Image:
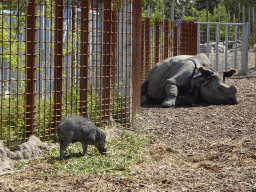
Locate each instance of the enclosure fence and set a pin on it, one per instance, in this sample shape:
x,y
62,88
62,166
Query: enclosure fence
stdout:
x,y
226,45
61,58
161,39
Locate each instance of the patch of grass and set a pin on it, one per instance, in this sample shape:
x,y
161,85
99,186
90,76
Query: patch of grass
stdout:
x,y
124,151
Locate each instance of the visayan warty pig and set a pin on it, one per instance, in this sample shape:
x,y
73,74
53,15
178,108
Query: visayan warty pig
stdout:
x,y
75,128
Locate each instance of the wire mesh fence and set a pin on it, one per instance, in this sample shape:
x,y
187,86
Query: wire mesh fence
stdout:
x,y
226,45
165,38
59,58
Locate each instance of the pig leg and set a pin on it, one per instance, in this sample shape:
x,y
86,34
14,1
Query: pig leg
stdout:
x,y
171,91
85,145
63,145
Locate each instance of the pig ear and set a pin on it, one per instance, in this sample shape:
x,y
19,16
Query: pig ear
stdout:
x,y
205,72
229,73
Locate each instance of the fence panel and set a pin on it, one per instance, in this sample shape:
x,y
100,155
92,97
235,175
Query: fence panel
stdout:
x,y
61,59
220,42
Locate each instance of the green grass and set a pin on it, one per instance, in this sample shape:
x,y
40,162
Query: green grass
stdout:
x,y
124,151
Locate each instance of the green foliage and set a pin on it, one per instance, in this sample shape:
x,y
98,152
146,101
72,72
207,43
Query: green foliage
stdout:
x,y
124,151
12,48
189,18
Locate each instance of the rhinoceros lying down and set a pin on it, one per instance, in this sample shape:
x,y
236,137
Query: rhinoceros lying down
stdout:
x,y
186,80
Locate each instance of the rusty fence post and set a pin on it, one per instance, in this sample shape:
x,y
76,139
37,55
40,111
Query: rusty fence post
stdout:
x,y
183,38
58,62
84,50
147,45
190,33
113,46
175,38
106,60
136,55
194,37
142,68
31,69
157,34
166,38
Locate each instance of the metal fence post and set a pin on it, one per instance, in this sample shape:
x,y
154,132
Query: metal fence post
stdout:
x,y
194,38
142,69
166,38
106,60
147,45
198,38
31,69
136,55
226,49
58,61
157,29
217,47
244,54
113,45
84,49
175,38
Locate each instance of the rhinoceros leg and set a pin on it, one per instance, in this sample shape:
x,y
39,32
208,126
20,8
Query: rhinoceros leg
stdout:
x,y
171,94
144,92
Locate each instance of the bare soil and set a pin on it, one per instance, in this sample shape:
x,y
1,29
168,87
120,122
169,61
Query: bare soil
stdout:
x,y
199,148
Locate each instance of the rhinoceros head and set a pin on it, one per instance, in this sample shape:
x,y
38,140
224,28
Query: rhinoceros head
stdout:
x,y
212,87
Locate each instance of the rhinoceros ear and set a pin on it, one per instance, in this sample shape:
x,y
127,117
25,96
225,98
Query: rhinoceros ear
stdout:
x,y
201,60
205,72
229,73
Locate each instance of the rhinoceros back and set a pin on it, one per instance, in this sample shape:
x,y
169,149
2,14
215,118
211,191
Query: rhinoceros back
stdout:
x,y
161,72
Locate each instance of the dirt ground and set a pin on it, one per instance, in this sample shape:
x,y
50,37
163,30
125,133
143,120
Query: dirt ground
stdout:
x,y
199,148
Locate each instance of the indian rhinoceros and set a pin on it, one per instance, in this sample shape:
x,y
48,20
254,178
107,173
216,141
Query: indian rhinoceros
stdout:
x,y
185,80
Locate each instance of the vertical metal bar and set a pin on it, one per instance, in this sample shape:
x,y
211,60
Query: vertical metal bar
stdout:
x,y
208,38
175,39
147,45
106,60
84,50
136,55
244,54
183,38
58,61
190,34
157,32
235,50
166,38
31,69
226,49
198,38
172,11
113,45
217,47
142,69
195,46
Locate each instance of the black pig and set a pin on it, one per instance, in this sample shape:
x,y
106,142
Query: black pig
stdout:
x,y
76,128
